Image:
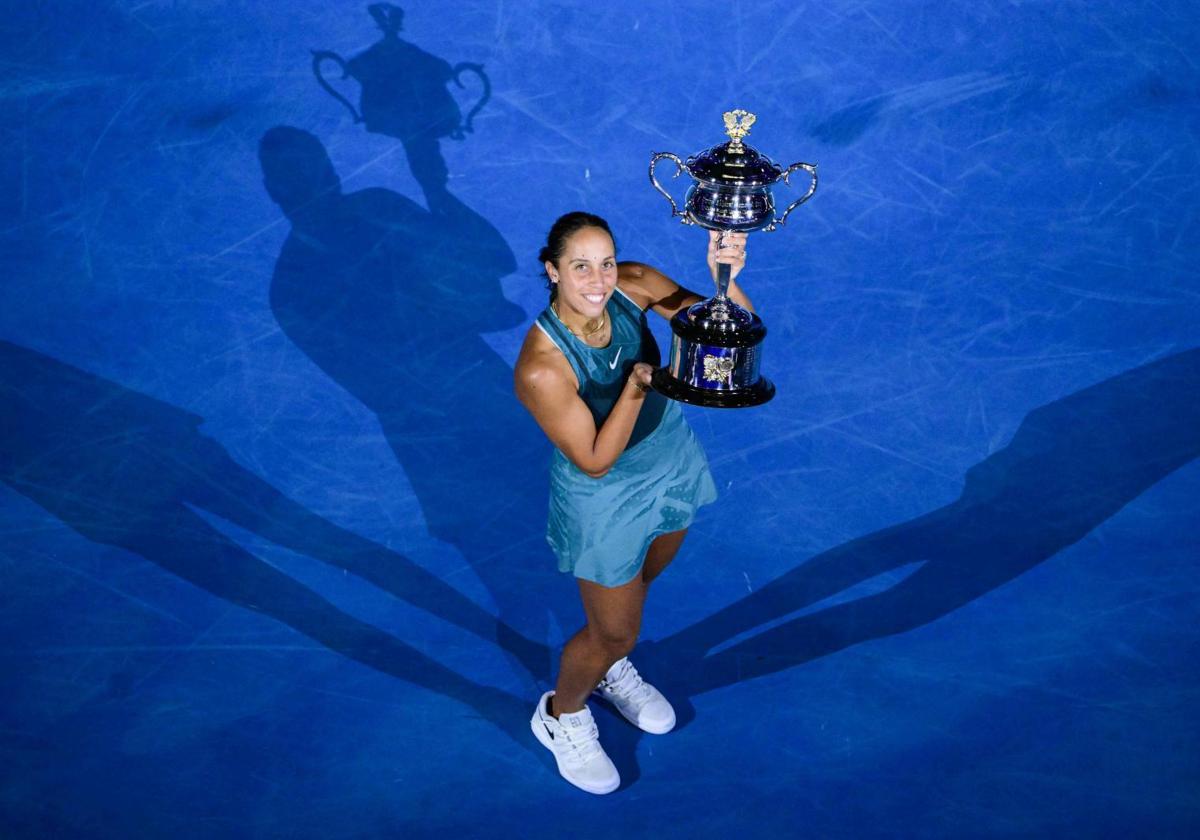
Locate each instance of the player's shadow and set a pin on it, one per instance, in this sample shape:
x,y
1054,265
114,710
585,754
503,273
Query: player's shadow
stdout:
x,y
1071,465
127,470
392,302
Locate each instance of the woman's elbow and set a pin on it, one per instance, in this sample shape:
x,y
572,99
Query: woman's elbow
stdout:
x,y
589,462
598,473
592,467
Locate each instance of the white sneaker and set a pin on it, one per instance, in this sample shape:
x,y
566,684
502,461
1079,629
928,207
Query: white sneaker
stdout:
x,y
639,702
575,742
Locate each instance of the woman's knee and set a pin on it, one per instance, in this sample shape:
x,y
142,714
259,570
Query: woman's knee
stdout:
x,y
616,642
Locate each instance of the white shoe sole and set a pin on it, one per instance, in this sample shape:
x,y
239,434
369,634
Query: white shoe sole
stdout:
x,y
539,732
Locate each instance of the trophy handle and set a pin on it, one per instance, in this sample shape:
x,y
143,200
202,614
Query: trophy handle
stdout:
x,y
477,69
811,169
326,55
679,167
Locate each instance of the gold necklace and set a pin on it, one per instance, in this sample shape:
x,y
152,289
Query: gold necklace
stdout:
x,y
587,333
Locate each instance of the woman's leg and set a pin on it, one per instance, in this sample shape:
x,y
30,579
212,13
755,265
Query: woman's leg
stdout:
x,y
614,619
661,552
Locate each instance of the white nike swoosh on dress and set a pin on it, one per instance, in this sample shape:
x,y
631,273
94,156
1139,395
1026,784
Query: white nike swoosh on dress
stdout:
x,y
613,364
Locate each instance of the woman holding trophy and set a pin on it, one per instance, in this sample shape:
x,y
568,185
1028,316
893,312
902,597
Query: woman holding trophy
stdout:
x,y
627,477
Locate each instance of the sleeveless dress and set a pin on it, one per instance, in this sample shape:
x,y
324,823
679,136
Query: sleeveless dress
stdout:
x,y
600,528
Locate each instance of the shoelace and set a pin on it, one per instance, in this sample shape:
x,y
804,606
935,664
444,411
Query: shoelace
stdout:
x,y
584,742
628,684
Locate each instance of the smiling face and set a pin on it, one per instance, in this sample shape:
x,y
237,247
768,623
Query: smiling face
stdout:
x,y
586,273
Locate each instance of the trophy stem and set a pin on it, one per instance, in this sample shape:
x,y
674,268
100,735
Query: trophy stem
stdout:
x,y
723,275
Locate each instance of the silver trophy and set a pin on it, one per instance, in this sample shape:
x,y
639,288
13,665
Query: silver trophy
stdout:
x,y
715,352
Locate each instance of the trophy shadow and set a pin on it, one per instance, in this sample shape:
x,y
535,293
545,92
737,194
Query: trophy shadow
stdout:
x,y
391,301
124,469
404,93
1071,465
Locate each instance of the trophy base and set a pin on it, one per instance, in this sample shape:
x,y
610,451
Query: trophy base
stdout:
x,y
760,392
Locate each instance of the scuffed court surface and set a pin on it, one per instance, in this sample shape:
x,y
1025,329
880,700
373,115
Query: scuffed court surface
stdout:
x,y
272,560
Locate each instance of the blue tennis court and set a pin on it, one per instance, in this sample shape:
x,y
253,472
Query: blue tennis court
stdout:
x,y
272,521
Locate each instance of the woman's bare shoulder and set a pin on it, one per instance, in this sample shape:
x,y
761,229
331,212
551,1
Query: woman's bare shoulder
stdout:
x,y
540,364
651,289
644,284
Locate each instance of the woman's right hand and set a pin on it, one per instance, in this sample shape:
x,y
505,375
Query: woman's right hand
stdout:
x,y
727,247
639,378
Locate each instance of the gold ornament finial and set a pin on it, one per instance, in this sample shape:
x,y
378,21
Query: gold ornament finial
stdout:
x,y
737,126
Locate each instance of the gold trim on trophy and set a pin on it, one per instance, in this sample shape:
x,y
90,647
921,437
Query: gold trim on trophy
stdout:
x,y
717,369
737,126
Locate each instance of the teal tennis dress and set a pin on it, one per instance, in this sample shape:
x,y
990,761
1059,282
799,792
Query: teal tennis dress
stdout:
x,y
600,528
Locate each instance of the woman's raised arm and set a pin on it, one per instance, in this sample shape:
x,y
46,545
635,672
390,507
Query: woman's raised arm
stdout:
x,y
651,289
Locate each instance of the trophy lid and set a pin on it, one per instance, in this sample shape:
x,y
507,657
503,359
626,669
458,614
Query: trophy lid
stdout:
x,y
733,161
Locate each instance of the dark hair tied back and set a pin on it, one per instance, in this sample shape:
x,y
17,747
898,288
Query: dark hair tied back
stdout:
x,y
564,228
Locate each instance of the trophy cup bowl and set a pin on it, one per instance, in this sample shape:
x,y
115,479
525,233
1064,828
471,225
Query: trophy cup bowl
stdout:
x,y
716,344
